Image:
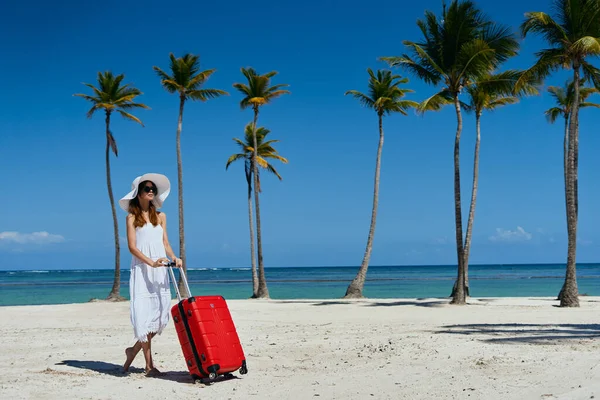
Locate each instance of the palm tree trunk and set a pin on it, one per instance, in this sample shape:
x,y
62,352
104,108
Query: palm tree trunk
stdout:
x,y
459,293
469,233
252,250
116,288
566,170
180,284
263,291
570,295
355,288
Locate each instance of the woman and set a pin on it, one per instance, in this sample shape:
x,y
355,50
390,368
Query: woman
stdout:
x,y
149,290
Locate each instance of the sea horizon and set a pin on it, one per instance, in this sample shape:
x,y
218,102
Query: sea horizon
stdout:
x,y
38,286
74,269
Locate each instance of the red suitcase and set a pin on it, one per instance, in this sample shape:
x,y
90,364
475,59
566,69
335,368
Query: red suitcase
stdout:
x,y
209,341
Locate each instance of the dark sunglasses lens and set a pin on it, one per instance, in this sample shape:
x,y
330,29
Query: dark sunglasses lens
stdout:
x,y
147,189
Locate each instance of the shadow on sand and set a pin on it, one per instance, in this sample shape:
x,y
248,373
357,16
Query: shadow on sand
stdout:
x,y
525,333
101,367
117,370
440,302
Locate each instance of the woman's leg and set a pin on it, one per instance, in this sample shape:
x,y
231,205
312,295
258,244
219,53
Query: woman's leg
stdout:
x,y
147,349
132,352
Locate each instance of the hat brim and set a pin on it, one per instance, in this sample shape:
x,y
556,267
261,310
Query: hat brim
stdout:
x,y
162,185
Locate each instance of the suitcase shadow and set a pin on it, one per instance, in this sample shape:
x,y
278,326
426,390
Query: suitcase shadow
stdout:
x,y
184,377
111,369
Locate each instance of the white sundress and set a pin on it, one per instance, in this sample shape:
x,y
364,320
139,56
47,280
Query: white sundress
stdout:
x,y
149,288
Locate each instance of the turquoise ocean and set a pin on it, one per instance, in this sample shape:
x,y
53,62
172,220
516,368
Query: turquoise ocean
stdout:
x,y
77,286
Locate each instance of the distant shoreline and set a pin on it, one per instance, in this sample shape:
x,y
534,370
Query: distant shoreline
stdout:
x,y
37,270
515,280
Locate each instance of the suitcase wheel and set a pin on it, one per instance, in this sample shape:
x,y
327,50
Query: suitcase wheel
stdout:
x,y
212,376
244,368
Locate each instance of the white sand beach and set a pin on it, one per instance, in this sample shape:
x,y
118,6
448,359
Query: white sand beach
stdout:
x,y
509,348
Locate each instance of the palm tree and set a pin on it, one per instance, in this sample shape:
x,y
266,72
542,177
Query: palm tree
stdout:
x,y
564,101
186,80
490,93
111,96
457,49
573,36
257,93
265,152
384,96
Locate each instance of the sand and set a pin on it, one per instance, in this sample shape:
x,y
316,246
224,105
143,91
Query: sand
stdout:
x,y
498,348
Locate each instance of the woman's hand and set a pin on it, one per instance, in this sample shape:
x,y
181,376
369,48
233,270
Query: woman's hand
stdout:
x,y
161,262
178,262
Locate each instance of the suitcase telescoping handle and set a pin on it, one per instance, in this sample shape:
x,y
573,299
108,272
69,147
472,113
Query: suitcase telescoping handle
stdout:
x,y
185,282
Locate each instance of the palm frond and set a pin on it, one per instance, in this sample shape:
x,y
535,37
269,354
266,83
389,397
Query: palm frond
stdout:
x,y
88,98
501,102
201,78
549,60
559,94
112,95
587,45
436,102
275,157
456,48
275,94
129,106
112,143
95,89
265,150
187,79
133,118
588,104
261,162
206,94
420,71
553,113
233,158
475,59
384,93
258,92
540,22
365,100
92,110
591,74
272,170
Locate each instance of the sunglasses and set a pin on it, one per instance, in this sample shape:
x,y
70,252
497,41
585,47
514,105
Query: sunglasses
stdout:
x,y
148,189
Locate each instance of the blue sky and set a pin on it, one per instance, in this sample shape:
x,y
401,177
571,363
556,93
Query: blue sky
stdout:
x,y
53,156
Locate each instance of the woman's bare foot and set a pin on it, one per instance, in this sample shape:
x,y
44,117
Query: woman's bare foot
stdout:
x,y
130,353
152,372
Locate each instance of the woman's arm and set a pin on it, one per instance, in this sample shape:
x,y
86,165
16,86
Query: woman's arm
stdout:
x,y
132,245
168,249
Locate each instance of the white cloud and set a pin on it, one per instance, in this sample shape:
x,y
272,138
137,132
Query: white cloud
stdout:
x,y
441,240
506,235
30,238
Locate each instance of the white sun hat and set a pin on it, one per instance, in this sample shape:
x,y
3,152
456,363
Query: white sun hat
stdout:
x,y
162,185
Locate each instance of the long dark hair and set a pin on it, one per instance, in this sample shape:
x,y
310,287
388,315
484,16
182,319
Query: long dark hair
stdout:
x,y
136,209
